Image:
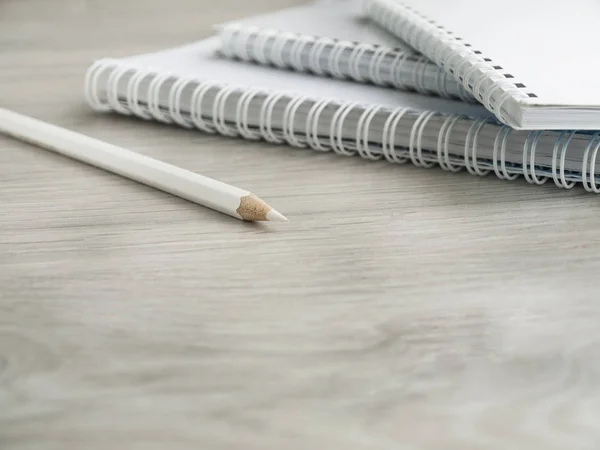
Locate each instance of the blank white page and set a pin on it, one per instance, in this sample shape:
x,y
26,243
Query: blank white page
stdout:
x,y
550,46
337,19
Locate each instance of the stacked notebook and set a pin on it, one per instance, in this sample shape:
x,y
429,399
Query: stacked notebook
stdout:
x,y
381,79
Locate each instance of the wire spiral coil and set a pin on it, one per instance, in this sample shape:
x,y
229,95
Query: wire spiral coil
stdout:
x,y
360,62
477,74
111,85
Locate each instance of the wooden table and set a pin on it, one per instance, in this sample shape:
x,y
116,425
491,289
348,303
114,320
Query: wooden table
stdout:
x,y
401,308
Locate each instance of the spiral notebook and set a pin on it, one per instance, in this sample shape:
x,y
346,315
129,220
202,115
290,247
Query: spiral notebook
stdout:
x,y
531,63
195,87
334,38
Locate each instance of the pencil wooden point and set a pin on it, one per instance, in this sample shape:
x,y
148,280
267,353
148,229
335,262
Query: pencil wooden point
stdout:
x,y
254,209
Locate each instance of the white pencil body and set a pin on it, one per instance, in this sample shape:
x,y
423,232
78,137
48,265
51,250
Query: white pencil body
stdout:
x,y
182,183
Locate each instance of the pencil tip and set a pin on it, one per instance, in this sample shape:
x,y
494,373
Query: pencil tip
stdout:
x,y
254,209
274,216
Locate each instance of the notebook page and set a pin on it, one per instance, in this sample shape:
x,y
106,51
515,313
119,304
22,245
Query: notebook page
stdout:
x,y
548,46
338,19
200,60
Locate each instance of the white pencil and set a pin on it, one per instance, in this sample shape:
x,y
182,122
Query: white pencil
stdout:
x,y
205,191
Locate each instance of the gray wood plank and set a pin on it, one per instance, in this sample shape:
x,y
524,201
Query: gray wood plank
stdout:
x,y
401,308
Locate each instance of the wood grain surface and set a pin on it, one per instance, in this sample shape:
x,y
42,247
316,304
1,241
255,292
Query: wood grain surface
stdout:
x,y
401,308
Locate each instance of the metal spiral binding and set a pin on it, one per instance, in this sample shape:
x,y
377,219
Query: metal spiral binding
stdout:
x,y
112,86
266,46
477,74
